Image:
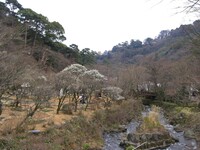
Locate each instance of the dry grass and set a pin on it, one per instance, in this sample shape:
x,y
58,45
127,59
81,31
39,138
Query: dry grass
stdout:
x,y
151,122
10,117
112,118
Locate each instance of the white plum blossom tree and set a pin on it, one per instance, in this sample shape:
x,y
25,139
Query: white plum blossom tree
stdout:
x,y
75,80
114,93
68,83
74,69
92,80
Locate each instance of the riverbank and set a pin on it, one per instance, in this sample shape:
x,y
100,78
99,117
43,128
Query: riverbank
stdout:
x,y
186,119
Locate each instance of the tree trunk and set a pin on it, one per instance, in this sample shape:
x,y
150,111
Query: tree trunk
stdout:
x,y
1,105
88,101
60,103
59,106
34,40
30,114
76,105
87,104
17,102
25,38
75,98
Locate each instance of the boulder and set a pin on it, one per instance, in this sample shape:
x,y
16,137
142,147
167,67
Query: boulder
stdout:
x,y
148,140
189,133
143,137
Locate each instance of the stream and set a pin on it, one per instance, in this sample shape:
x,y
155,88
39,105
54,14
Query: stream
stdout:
x,y
112,140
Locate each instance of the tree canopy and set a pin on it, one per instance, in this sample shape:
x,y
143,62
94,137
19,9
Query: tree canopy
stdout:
x,y
49,31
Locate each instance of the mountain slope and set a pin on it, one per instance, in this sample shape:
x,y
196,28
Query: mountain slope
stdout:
x,y
170,45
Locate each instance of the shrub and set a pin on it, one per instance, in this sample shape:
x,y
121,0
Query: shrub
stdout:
x,y
151,122
86,146
68,109
111,118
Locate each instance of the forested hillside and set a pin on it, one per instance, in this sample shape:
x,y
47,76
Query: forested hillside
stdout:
x,y
24,31
171,45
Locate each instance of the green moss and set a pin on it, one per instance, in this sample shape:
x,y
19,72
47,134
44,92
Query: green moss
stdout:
x,y
86,146
130,148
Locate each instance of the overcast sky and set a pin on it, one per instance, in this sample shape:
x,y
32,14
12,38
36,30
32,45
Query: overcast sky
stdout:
x,y
101,24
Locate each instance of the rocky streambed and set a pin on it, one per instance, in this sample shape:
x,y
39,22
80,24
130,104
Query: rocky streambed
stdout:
x,y
168,140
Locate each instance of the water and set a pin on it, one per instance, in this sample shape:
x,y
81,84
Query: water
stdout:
x,y
112,140
184,143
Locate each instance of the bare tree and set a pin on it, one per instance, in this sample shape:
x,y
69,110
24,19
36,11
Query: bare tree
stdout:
x,y
130,78
188,6
20,91
41,93
191,6
21,88
11,67
153,70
